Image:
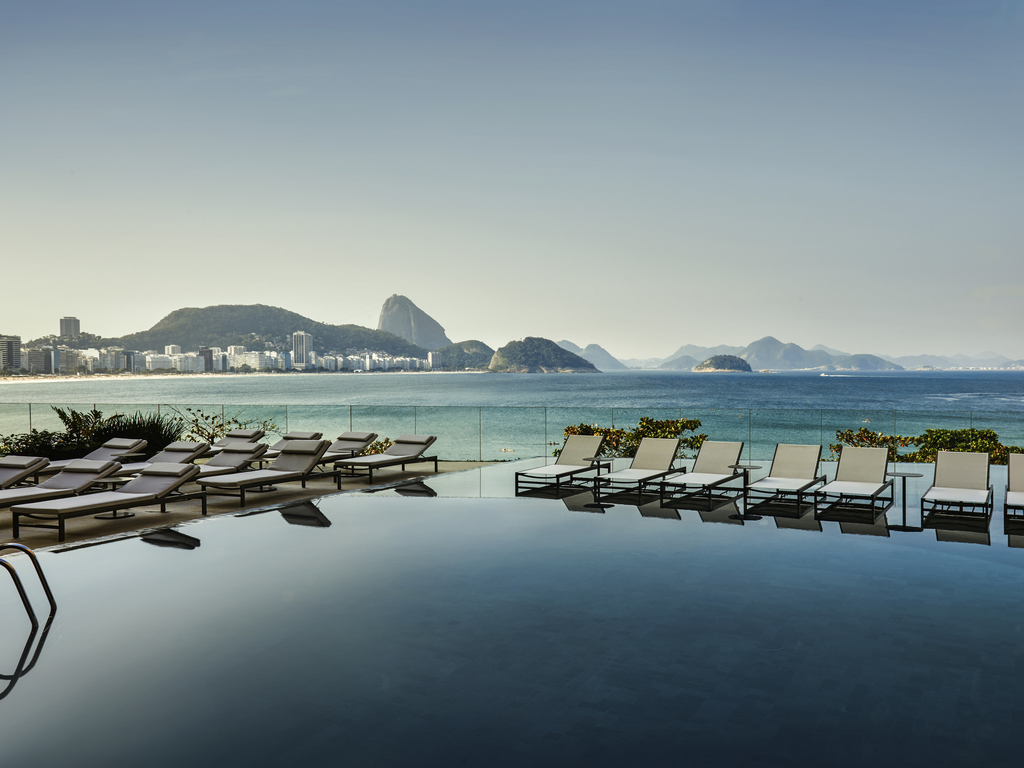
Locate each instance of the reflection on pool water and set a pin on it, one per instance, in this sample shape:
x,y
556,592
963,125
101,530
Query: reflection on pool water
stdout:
x,y
417,630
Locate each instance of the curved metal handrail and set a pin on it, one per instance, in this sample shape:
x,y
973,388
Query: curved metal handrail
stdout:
x,y
39,570
21,592
20,670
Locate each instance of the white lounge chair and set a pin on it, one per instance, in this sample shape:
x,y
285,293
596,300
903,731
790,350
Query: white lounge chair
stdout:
x,y
407,449
793,473
237,436
577,456
860,487
156,484
115,449
275,450
707,484
653,460
77,477
14,469
961,487
179,452
297,461
233,457
1013,501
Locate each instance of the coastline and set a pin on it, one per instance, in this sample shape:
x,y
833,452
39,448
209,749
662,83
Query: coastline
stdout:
x,y
45,379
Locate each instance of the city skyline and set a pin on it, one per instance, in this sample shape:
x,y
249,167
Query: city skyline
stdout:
x,y
636,176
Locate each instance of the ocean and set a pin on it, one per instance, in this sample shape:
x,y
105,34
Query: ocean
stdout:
x,y
505,416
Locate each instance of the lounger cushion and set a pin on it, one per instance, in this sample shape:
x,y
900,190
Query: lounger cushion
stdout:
x,y
302,446
849,488
21,462
167,470
122,442
246,448
780,484
552,470
11,496
87,465
700,478
357,436
250,479
92,502
632,475
956,496
1015,499
419,439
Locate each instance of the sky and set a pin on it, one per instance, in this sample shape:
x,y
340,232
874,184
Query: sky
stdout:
x,y
640,175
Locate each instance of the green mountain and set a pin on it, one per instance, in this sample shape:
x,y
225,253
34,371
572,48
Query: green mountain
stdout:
x,y
681,363
724,363
255,326
535,355
771,353
462,355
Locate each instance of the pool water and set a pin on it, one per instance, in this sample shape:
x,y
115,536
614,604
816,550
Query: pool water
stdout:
x,y
377,629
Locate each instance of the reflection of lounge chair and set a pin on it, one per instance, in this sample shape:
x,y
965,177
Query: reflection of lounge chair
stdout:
x,y
728,513
14,469
1013,502
575,458
961,489
168,537
180,452
304,513
115,449
237,436
806,522
705,485
877,528
156,484
77,477
275,450
297,461
407,449
653,460
232,458
858,492
793,473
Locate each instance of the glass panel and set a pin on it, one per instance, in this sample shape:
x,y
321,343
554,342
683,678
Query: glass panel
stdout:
x,y
457,429
769,427
1009,426
726,425
14,418
330,420
841,420
513,433
271,418
560,418
388,421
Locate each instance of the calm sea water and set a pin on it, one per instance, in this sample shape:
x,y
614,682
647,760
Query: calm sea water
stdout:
x,y
491,416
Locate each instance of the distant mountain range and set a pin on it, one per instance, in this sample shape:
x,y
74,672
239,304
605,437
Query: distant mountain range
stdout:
x,y
599,357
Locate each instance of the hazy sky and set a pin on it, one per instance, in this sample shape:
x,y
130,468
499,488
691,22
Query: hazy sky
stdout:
x,y
639,175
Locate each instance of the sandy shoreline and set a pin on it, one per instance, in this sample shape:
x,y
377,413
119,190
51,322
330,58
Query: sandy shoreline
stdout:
x,y
189,376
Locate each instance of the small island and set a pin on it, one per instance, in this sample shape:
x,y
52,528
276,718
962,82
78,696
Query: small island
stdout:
x,y
723,364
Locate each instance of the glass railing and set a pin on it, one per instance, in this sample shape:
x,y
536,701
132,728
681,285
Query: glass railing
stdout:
x,y
474,433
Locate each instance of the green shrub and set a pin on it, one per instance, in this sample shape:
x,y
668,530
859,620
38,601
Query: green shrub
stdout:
x,y
929,444
623,443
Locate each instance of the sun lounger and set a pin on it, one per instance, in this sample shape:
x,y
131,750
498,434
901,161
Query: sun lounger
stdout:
x,y
77,477
297,461
115,449
961,487
653,460
348,445
180,452
14,469
859,490
1013,502
707,484
407,449
232,458
156,484
236,436
576,457
794,471
275,450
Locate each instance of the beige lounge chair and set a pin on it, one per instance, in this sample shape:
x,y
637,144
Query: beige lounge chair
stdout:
x,y
1013,502
653,460
348,445
576,457
794,471
407,449
180,452
859,487
77,477
232,458
115,449
297,461
237,436
706,484
275,450
961,487
14,469
156,484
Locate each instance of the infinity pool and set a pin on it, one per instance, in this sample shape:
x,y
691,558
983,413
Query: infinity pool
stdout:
x,y
388,630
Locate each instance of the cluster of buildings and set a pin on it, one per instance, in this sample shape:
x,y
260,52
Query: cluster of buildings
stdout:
x,y
61,359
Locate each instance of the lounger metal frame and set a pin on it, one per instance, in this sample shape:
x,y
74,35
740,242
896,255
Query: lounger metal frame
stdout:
x,y
783,497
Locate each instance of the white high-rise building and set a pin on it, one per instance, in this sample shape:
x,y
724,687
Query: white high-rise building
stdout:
x,y
172,349
302,345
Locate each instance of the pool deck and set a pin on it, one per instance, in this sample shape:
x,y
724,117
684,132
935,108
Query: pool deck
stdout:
x,y
85,530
